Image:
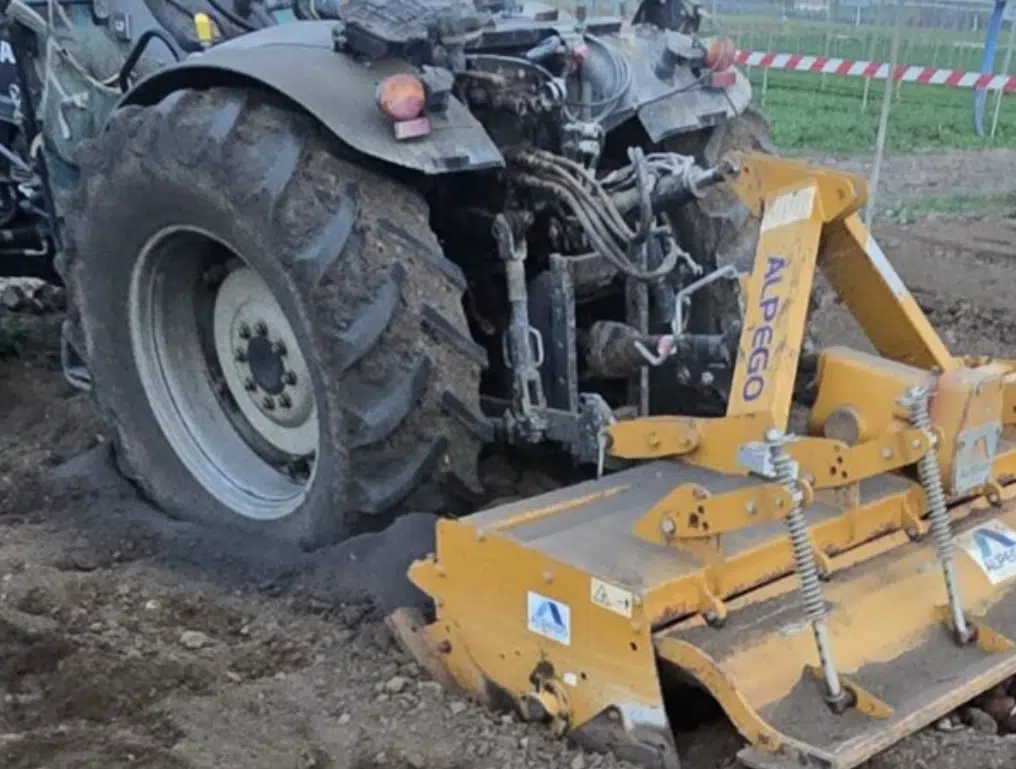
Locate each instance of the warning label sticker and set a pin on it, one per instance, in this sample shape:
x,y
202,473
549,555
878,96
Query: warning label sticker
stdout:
x,y
610,597
789,208
993,547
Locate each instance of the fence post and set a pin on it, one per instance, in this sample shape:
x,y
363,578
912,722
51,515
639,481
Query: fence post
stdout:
x,y
872,49
883,119
1005,71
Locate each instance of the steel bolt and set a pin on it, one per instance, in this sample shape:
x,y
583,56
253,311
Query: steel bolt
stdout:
x,y
667,526
240,356
279,348
268,403
250,385
285,401
261,328
289,378
244,331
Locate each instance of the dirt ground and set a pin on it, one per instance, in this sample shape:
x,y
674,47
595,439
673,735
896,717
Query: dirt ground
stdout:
x,y
128,640
935,174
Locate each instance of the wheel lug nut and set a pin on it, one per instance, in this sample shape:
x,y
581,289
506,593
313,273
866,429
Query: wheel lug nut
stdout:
x,y
279,348
244,331
285,401
260,328
250,385
268,403
289,378
240,356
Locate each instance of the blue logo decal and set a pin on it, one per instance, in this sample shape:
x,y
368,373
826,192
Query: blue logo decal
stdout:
x,y
997,550
549,618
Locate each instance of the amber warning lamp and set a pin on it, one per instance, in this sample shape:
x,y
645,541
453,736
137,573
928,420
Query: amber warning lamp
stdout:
x,y
720,58
403,99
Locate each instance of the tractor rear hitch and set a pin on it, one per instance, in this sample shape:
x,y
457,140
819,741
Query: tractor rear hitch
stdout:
x,y
614,350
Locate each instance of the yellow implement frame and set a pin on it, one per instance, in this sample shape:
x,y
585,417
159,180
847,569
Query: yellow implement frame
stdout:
x,y
580,606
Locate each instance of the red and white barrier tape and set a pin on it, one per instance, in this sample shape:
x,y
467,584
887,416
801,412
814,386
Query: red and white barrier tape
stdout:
x,y
876,70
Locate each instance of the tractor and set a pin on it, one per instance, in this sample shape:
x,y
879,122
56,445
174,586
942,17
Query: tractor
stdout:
x,y
318,256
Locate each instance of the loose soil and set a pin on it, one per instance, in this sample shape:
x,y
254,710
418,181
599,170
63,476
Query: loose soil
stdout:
x,y
129,640
909,176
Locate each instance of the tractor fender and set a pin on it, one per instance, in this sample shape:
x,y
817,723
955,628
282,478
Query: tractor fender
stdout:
x,y
298,61
679,102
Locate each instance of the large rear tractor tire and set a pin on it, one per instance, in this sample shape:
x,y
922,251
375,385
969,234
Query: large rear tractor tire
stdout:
x,y
275,338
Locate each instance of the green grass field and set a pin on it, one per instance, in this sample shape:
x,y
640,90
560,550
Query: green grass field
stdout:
x,y
809,112
806,116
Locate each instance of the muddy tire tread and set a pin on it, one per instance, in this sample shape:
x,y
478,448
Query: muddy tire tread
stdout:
x,y
357,250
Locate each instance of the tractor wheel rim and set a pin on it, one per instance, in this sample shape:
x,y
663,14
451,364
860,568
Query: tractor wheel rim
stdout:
x,y
262,364
223,372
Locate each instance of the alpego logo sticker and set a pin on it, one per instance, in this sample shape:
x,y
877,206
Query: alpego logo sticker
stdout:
x,y
993,548
764,334
549,618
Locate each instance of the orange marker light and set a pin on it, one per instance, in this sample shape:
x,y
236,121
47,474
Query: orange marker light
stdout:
x,y
721,54
401,97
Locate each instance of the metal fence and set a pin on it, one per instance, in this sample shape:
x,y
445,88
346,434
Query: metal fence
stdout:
x,y
944,38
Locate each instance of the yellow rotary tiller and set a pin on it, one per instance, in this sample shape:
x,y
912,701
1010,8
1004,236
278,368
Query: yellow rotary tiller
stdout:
x,y
834,591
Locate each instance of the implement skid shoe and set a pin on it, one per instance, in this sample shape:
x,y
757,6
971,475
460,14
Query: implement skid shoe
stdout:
x,y
594,607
